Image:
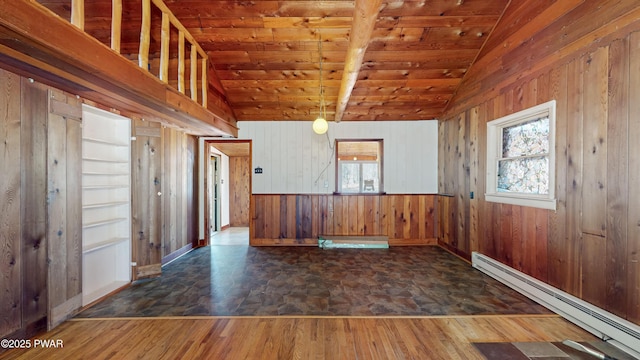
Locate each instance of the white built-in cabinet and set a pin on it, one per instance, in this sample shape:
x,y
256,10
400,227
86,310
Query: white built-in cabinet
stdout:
x,y
106,202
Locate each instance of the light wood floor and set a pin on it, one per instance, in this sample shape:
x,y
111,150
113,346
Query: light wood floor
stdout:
x,y
295,337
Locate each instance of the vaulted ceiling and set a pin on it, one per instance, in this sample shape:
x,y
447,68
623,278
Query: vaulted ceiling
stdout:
x,y
266,55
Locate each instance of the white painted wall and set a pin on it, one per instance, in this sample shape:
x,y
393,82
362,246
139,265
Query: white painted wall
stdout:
x,y
295,160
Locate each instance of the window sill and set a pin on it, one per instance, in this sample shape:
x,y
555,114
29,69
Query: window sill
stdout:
x,y
549,204
360,193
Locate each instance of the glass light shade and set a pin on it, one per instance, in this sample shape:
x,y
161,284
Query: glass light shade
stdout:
x,y
320,126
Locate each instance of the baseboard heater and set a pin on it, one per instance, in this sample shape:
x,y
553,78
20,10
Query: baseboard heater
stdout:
x,y
618,331
353,242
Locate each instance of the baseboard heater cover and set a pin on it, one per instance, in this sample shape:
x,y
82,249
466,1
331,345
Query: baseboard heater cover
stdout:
x,y
353,242
603,324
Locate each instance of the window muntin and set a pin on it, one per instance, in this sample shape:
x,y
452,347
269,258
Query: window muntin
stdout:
x,y
359,166
524,165
521,158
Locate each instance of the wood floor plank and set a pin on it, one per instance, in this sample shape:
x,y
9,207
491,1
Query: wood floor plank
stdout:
x,y
285,337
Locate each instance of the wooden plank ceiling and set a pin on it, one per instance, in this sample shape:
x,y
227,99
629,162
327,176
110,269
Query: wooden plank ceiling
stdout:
x,y
265,55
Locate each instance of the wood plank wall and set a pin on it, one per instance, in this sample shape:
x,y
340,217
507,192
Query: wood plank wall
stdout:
x,y
239,190
589,246
41,217
64,206
146,204
295,219
164,199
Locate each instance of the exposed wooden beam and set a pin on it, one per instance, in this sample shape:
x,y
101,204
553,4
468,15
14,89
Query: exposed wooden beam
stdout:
x,y
365,15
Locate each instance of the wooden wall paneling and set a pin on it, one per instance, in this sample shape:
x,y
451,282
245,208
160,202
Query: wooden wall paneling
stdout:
x,y
291,217
338,223
169,244
442,126
273,208
557,269
316,216
239,181
192,189
385,215
423,221
617,177
594,195
351,213
258,218
282,201
407,216
535,220
65,213
11,306
33,141
430,217
360,215
594,276
303,216
176,190
180,203
376,227
505,238
398,219
540,270
519,238
475,175
56,201
412,212
146,205
463,183
487,246
74,202
321,214
481,141
633,240
575,125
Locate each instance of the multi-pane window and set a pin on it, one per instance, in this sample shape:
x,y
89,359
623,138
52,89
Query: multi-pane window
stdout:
x,y
520,157
359,166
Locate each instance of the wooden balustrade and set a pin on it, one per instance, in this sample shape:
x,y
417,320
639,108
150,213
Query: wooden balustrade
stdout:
x,y
197,56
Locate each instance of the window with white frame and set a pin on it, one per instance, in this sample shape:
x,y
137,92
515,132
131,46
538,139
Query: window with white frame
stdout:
x,y
521,158
359,166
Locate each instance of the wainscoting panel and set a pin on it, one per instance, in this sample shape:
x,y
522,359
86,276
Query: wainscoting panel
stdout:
x,y
298,219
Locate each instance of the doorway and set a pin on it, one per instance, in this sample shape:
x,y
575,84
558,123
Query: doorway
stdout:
x,y
214,191
228,178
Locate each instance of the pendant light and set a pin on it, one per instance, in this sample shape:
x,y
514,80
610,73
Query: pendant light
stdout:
x,y
320,125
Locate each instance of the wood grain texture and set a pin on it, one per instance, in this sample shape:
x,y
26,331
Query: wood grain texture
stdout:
x,y
64,207
67,58
594,181
587,247
34,215
617,176
239,182
301,218
633,240
297,337
11,305
146,225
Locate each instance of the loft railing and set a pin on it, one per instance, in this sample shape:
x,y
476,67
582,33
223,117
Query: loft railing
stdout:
x,y
197,54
